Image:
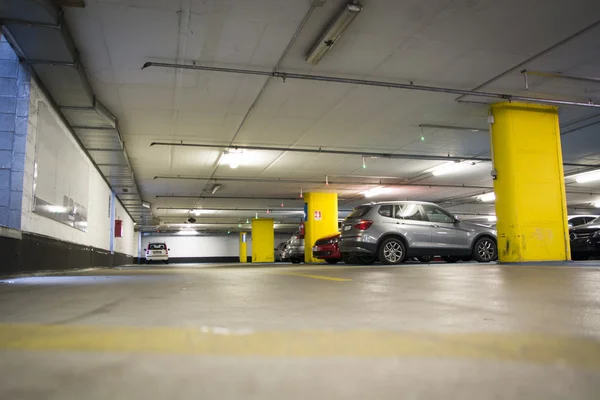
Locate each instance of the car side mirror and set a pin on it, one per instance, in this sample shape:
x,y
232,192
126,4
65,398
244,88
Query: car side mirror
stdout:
x,y
456,219
168,249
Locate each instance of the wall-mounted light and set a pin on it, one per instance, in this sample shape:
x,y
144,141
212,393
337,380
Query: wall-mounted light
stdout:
x,y
487,197
450,167
588,176
333,32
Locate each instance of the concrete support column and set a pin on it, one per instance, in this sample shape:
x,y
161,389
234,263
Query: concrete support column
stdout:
x,y
263,240
531,204
243,247
14,115
321,221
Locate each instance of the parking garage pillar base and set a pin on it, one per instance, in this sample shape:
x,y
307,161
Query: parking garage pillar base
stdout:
x,y
243,247
531,204
263,240
321,221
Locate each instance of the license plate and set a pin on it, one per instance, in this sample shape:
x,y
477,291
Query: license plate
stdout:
x,y
157,252
347,227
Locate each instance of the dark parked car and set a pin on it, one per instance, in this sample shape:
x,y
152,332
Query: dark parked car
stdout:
x,y
393,231
327,249
585,240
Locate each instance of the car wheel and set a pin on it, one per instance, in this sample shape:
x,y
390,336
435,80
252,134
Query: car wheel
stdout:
x,y
425,259
365,260
579,257
331,261
166,261
392,251
295,260
485,250
450,259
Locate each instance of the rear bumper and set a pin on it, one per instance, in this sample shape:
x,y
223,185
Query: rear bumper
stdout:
x,y
157,258
585,246
354,246
296,252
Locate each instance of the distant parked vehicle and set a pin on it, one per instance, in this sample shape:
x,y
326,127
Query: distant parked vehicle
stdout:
x,y
295,251
393,231
576,220
280,252
585,240
327,249
157,252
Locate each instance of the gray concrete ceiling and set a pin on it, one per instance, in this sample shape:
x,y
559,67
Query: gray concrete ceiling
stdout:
x,y
450,43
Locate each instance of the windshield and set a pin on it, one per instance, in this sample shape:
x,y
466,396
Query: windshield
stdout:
x,y
358,212
157,246
595,221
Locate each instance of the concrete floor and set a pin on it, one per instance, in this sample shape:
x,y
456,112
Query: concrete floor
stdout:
x,y
295,332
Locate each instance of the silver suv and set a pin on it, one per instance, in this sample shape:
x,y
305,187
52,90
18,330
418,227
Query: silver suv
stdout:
x,y
393,231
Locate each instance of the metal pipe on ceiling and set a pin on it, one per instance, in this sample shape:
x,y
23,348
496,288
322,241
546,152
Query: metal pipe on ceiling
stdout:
x,y
560,75
535,56
347,153
331,182
363,82
228,197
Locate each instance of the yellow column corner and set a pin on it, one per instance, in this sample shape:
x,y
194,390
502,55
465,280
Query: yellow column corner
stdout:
x,y
263,240
531,205
321,221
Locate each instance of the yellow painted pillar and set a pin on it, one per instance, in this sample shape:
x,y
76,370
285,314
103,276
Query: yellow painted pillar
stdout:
x,y
531,204
263,240
321,220
243,247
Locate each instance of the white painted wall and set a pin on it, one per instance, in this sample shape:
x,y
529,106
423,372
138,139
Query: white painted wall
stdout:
x,y
205,246
98,231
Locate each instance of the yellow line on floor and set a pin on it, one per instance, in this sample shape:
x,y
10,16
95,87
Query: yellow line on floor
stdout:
x,y
326,278
531,348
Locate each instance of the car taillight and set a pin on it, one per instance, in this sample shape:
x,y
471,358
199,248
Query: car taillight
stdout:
x,y
363,225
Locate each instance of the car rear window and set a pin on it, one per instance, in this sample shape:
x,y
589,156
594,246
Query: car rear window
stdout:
x,y
359,212
157,246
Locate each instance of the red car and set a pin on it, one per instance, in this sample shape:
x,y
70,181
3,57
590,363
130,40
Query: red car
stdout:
x,y
327,249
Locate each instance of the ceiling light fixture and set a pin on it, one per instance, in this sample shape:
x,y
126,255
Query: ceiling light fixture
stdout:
x,y
450,167
301,194
375,191
596,204
215,188
589,176
487,197
364,162
145,204
333,32
199,212
233,157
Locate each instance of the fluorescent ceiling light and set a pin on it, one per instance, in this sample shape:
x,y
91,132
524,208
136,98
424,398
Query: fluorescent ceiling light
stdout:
x,y
588,176
376,191
492,218
187,232
596,204
487,197
333,32
449,168
199,212
145,204
233,157
215,188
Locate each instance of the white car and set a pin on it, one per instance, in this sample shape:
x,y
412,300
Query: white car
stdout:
x,y
157,252
576,220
